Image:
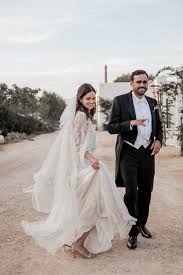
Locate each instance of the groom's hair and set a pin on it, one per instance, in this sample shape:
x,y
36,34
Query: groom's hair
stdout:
x,y
137,72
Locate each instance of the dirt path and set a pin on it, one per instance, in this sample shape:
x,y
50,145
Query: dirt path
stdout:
x,y
163,254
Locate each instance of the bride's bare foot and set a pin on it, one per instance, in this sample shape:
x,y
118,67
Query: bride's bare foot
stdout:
x,y
82,251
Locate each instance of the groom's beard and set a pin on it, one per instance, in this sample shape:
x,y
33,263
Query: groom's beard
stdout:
x,y
140,91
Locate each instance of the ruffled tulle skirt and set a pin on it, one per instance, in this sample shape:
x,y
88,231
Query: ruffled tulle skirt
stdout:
x,y
94,204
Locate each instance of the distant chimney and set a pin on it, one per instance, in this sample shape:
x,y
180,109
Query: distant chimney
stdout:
x,y
105,74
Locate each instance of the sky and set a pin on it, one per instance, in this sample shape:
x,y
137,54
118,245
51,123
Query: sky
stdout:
x,y
57,45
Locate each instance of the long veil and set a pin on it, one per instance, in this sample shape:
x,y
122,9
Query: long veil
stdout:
x,y
59,169
52,191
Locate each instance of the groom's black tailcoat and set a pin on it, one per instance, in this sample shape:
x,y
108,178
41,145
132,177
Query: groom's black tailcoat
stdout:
x,y
122,113
131,161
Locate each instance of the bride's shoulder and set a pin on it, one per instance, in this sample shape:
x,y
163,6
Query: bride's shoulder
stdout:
x,y
80,116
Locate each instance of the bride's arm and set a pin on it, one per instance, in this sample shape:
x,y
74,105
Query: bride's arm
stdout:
x,y
80,127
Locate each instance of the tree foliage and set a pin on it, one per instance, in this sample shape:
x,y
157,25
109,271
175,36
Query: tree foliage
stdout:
x,y
171,90
51,107
105,107
123,78
22,111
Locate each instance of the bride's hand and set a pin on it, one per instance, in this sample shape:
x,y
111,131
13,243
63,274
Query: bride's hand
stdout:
x,y
95,163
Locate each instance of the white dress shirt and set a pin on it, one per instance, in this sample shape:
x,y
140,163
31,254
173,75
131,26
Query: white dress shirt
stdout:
x,y
142,111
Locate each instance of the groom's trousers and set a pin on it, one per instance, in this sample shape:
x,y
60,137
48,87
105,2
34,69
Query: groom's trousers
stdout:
x,y
137,170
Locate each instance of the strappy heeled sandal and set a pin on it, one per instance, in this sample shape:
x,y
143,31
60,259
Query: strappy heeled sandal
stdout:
x,y
83,252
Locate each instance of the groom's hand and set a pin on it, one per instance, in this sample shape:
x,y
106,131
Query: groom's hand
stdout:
x,y
138,122
156,146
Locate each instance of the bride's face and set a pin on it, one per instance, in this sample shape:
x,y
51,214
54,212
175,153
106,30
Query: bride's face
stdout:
x,y
89,100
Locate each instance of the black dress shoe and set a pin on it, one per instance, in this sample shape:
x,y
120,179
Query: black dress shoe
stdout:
x,y
132,242
145,232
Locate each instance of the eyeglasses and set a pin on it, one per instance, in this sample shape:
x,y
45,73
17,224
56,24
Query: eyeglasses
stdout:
x,y
141,81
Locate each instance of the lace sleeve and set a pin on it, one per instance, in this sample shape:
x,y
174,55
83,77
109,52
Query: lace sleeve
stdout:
x,y
80,129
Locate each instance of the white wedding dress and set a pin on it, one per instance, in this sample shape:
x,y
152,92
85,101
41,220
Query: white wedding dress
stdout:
x,y
77,197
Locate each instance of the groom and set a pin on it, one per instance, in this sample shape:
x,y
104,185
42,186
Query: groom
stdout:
x,y
135,118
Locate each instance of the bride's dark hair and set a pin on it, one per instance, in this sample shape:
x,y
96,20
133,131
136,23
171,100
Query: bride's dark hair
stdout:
x,y
83,90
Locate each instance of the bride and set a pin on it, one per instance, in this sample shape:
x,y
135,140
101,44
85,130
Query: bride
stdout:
x,y
77,190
